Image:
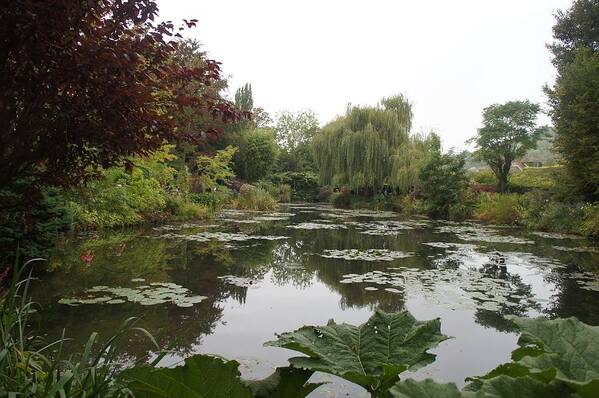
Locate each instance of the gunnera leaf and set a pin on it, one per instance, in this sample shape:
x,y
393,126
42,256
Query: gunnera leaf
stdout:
x,y
202,376
569,346
562,352
498,387
372,354
284,383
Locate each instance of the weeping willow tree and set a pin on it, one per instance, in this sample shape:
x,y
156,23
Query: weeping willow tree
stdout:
x,y
409,159
370,147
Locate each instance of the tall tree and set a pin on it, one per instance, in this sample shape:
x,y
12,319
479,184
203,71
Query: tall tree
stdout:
x,y
85,84
574,97
257,154
243,98
575,28
509,131
357,149
442,177
295,129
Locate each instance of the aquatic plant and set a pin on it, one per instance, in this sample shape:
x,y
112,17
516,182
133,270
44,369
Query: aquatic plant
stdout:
x,y
152,294
365,255
372,354
205,376
556,358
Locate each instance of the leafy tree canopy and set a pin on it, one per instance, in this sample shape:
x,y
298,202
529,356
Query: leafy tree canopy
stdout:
x,y
356,149
575,28
509,131
243,98
574,97
85,84
295,129
257,155
216,170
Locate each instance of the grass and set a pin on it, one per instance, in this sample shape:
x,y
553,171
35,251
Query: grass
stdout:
x,y
498,208
252,198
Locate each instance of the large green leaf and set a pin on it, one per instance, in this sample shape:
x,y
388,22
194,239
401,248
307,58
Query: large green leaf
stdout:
x,y
424,389
569,346
205,376
284,383
372,354
202,376
560,350
497,387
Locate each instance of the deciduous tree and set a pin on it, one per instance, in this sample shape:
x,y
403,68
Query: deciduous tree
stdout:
x,y
509,131
87,83
574,98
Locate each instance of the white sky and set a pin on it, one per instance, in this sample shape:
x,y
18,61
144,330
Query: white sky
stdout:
x,y
451,58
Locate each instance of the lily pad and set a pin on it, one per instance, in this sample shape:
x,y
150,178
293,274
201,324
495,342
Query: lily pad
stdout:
x,y
312,225
365,255
154,294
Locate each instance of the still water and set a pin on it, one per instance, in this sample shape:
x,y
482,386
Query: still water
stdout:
x,y
228,286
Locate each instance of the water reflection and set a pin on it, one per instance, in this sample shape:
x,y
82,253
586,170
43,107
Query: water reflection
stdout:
x,y
470,276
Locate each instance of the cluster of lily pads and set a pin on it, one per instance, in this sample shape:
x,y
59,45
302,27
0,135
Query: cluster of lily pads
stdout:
x,y
365,255
580,249
586,280
151,294
555,235
313,225
386,227
455,289
478,233
179,227
239,281
221,237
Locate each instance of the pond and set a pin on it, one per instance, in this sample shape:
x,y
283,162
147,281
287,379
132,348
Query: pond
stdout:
x,y
228,286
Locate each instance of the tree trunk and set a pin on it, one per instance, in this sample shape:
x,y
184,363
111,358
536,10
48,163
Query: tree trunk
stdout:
x,y
503,183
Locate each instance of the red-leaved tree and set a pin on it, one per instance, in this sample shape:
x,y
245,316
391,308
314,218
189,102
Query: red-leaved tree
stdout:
x,y
85,83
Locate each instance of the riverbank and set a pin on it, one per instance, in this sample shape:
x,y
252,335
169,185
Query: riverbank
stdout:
x,y
537,202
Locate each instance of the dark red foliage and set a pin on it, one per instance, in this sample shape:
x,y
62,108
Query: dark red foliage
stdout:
x,y
85,83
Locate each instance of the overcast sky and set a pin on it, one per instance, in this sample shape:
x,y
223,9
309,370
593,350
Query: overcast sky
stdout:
x,y
451,58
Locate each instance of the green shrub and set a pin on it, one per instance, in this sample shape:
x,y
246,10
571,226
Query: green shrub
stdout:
x,y
257,154
442,179
213,200
324,194
341,199
118,199
304,185
29,222
281,192
409,205
460,211
535,178
498,208
285,193
252,198
484,177
540,212
179,209
590,221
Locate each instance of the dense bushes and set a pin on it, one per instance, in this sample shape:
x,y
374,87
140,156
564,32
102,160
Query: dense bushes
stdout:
x,y
498,208
257,154
252,198
29,223
442,178
152,190
539,211
304,186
